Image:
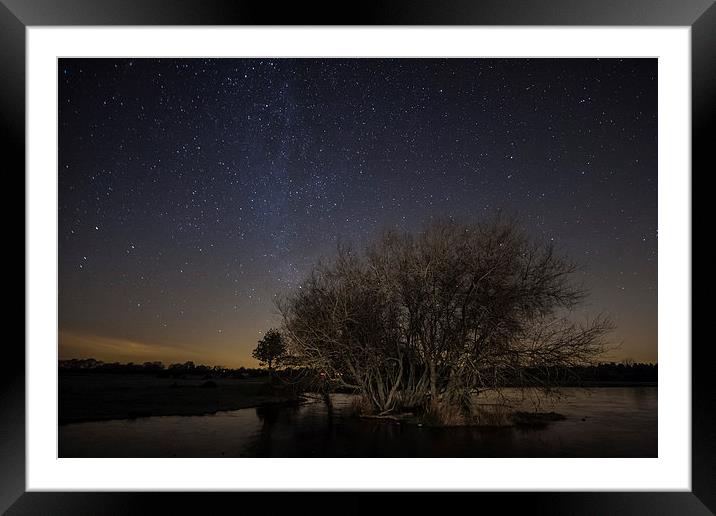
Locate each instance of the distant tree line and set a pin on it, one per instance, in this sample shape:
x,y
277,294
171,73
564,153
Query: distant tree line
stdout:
x,y
603,372
622,372
91,365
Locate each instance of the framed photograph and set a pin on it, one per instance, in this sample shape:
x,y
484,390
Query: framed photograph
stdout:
x,y
418,248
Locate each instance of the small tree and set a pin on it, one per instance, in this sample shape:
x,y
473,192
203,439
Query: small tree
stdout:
x,y
270,349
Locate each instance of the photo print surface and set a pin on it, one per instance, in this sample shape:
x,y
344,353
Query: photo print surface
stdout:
x,y
357,257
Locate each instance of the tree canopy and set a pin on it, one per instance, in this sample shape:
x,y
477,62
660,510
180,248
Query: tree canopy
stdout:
x,y
270,349
441,314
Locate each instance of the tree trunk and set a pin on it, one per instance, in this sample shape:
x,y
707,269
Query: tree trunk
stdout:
x,y
433,381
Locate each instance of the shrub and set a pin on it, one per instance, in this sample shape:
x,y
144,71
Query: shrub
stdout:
x,y
442,414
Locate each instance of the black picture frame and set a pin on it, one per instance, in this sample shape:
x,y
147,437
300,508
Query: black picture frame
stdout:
x,y
17,15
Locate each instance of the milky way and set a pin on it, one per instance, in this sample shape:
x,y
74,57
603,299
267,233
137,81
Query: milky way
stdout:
x,y
193,192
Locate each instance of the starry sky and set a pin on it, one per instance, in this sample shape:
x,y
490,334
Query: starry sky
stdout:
x,y
192,192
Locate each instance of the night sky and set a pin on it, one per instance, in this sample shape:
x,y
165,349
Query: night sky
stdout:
x,y
192,191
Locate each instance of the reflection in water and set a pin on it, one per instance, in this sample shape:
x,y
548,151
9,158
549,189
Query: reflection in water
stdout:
x,y
271,416
604,422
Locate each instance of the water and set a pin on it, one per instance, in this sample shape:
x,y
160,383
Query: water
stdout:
x,y
601,422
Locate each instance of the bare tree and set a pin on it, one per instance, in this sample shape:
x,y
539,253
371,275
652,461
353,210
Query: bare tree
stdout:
x,y
438,316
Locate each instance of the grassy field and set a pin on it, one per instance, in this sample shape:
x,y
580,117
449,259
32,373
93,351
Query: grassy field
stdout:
x,y
95,397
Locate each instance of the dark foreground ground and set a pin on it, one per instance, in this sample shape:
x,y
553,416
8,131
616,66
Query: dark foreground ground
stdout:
x,y
99,397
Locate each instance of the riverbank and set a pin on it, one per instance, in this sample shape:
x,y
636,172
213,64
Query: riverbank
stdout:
x,y
102,397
